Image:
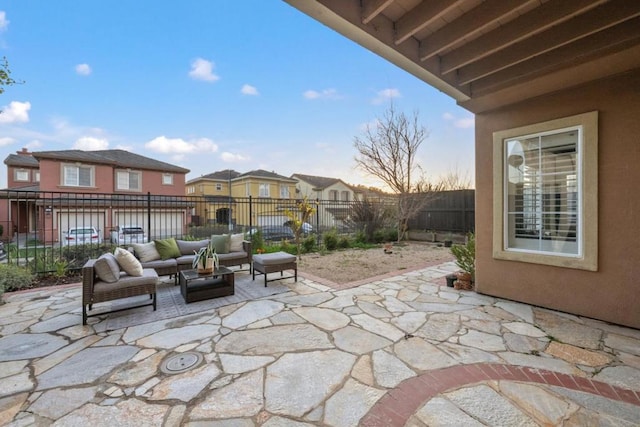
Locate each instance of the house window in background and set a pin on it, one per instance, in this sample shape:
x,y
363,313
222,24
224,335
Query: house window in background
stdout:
x,y
128,180
191,189
77,176
167,179
284,191
333,195
218,186
345,196
21,175
547,206
36,176
263,190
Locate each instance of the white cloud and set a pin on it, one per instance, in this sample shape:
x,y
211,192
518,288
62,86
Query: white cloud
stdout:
x,y
384,95
162,144
83,69
124,147
460,123
249,90
233,158
4,22
15,112
177,157
34,144
323,94
90,143
465,123
201,69
6,141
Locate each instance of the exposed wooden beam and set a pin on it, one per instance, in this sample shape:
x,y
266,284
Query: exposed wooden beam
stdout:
x,y
604,43
598,19
600,68
535,21
372,8
421,16
469,24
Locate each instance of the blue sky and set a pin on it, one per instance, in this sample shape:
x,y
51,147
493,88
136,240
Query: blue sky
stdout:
x,y
209,85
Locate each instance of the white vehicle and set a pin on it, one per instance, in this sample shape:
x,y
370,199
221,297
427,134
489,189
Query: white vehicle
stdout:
x,y
128,234
81,236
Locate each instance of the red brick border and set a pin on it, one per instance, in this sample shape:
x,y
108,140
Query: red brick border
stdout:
x,y
400,403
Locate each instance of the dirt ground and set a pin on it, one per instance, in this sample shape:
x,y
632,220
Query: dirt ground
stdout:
x,y
349,265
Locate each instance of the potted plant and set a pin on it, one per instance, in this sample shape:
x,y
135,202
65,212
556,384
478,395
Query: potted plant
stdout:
x,y
448,241
206,259
466,260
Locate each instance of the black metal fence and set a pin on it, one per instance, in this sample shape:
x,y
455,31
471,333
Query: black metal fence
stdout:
x,y
56,231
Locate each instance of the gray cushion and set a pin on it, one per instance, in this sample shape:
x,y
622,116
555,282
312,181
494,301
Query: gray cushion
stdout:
x,y
160,263
185,259
274,258
149,276
190,247
107,268
146,251
221,243
235,244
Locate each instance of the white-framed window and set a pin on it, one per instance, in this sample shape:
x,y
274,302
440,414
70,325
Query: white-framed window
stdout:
x,y
333,195
218,186
284,191
21,175
247,189
167,179
545,194
191,189
345,196
36,176
129,180
78,175
263,190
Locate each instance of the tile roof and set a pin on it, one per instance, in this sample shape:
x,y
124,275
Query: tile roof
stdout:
x,y
21,160
317,182
261,173
222,175
119,158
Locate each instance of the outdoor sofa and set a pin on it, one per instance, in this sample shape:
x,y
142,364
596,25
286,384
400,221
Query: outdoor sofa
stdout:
x,y
151,255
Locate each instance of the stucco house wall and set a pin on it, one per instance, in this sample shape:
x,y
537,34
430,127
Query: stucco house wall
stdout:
x,y
611,293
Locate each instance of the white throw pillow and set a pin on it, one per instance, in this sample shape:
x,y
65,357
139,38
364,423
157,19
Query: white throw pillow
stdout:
x,y
107,268
236,242
146,252
128,262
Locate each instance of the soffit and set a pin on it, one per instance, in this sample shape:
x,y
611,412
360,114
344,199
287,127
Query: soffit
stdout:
x,y
491,53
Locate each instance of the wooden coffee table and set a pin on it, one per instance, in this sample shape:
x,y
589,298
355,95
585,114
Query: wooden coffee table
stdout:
x,y
198,287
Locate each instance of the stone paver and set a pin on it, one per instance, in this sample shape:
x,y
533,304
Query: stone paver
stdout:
x,y
394,351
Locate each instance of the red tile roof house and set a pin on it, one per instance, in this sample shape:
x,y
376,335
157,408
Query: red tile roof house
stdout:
x,y
93,176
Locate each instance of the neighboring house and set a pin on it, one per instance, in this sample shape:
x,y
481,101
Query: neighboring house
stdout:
x,y
215,188
335,198
227,195
109,188
555,89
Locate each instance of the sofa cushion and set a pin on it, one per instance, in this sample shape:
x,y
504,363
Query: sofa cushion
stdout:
x,y
107,268
128,262
146,251
161,264
221,243
185,259
235,242
149,276
188,247
167,248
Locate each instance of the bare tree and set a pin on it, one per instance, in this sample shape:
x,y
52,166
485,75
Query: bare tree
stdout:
x,y
454,180
388,151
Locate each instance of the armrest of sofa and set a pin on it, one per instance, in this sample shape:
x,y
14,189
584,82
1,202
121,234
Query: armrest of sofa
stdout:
x,y
246,246
88,279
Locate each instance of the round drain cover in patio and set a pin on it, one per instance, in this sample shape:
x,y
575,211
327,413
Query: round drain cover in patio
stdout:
x,y
178,363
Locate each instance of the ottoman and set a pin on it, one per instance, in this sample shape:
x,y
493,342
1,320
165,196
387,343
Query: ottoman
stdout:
x,y
272,263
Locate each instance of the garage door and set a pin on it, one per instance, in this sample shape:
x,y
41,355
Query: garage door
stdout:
x,y
163,223
68,219
272,220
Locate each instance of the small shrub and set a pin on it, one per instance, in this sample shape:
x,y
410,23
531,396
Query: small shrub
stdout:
x,y
309,243
14,277
344,242
257,242
391,235
330,240
466,255
360,237
378,236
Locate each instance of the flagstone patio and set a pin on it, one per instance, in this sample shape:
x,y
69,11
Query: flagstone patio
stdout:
x,y
404,350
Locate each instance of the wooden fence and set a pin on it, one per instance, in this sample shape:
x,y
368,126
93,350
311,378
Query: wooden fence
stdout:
x,y
451,211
